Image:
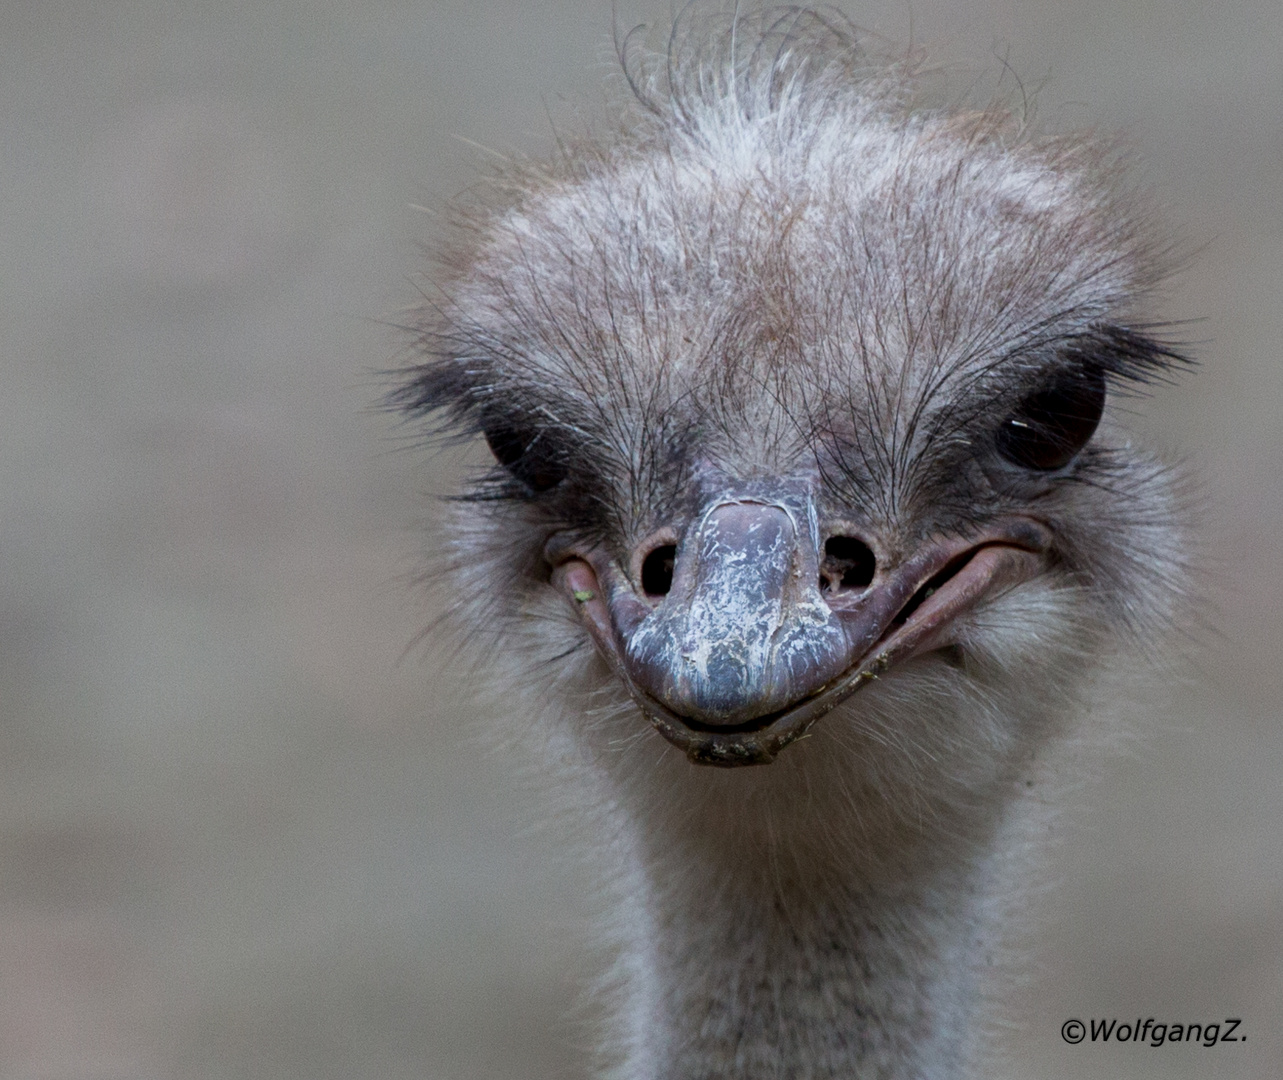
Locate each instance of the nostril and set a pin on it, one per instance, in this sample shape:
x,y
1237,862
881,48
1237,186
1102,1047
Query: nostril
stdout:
x,y
848,564
657,570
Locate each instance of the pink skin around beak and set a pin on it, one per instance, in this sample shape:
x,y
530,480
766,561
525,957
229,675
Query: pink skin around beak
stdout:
x,y
745,654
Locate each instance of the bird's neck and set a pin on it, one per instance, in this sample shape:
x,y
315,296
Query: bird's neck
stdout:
x,y
761,950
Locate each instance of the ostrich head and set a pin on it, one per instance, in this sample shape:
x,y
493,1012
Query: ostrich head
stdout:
x,y
793,386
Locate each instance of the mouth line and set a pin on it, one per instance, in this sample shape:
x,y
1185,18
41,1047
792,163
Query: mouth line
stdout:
x,y
928,588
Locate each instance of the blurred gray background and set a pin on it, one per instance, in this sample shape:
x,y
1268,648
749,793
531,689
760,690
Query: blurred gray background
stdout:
x,y
240,835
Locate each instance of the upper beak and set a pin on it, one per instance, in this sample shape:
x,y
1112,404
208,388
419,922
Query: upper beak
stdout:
x,y
745,653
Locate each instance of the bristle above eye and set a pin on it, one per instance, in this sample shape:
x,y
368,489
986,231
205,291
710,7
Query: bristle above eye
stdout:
x,y
1051,425
1128,357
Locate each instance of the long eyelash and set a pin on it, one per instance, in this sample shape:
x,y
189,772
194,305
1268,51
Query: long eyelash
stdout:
x,y
1130,356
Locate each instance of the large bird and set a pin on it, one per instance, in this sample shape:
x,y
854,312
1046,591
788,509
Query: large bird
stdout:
x,y
806,469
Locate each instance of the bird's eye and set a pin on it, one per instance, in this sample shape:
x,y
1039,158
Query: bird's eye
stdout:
x,y
528,457
1053,424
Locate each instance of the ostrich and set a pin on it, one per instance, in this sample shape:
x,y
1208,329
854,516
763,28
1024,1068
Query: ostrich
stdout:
x,y
809,525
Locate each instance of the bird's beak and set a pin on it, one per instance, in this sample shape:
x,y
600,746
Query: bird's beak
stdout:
x,y
745,653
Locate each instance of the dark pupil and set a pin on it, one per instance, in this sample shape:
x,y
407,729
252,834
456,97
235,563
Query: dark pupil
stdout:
x,y
1053,424
527,457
